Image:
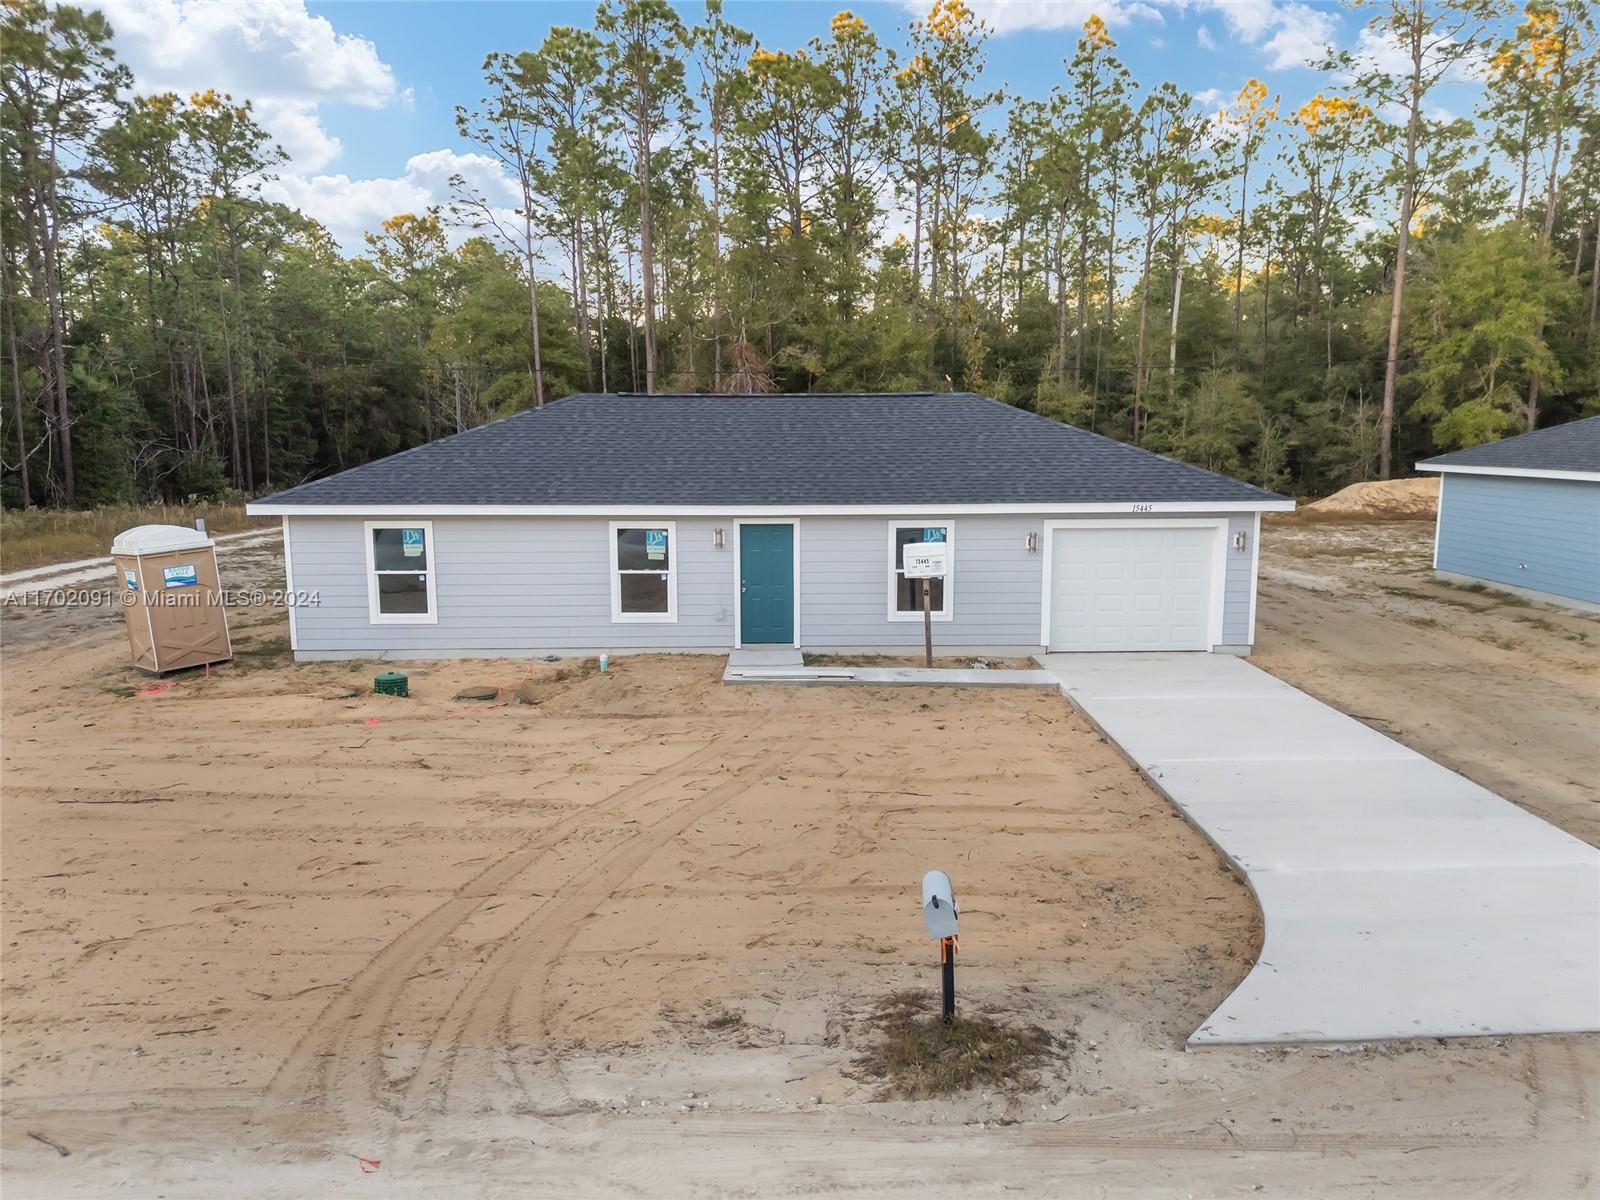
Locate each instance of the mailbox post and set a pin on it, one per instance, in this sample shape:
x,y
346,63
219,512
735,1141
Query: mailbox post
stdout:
x,y
925,561
940,913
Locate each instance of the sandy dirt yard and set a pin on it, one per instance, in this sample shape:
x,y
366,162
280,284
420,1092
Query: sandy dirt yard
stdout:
x,y
1504,690
268,935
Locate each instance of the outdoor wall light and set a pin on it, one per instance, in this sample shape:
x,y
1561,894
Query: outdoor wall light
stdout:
x,y
716,538
1239,540
1033,542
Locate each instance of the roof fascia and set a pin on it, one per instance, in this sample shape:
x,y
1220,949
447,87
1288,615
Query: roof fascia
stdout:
x,y
269,509
1528,472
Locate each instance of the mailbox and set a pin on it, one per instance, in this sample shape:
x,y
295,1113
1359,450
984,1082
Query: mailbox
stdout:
x,y
939,905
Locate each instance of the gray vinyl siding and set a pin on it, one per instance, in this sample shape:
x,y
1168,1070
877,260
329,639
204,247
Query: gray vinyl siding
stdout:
x,y
1540,534
524,585
510,584
1237,581
845,589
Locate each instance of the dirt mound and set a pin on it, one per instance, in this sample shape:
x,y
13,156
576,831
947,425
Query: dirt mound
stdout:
x,y
1382,498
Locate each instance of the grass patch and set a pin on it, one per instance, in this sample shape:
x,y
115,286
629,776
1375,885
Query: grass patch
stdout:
x,y
35,537
1306,515
1414,594
1316,550
919,1057
1501,599
1539,623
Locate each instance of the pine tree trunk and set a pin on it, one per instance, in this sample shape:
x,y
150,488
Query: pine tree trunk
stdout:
x,y
1061,310
647,248
1594,277
58,358
1138,355
580,302
716,251
233,407
1172,332
1403,244
1238,270
16,395
533,298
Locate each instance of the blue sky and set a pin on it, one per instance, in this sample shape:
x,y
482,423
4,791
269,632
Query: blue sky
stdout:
x,y
362,94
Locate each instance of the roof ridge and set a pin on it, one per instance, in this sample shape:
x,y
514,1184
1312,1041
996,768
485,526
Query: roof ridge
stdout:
x,y
844,448
747,395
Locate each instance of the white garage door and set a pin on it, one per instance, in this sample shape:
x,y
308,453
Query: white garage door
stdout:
x,y
1131,589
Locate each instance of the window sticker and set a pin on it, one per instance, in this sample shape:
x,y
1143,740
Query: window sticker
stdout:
x,y
411,542
179,576
933,533
655,543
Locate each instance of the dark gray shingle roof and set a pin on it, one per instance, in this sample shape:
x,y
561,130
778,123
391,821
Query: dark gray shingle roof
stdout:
x,y
1574,446
914,449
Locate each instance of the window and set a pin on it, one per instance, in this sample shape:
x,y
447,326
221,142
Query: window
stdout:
x,y
905,595
644,587
400,584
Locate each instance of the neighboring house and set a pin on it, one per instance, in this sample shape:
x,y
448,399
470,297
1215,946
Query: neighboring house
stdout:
x,y
1524,513
704,523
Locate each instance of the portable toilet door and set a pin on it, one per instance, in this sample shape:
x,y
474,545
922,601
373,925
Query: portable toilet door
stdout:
x,y
172,597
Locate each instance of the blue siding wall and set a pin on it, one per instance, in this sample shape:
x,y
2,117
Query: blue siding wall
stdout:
x,y
1542,534
517,585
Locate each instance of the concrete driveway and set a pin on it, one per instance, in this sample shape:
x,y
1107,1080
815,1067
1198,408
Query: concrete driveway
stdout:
x,y
1400,899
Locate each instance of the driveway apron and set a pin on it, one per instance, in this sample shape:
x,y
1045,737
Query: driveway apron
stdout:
x,y
1400,899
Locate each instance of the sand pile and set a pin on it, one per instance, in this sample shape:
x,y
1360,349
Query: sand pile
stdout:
x,y
1382,498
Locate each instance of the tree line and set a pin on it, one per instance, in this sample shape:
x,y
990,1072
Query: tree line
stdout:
x,y
1301,295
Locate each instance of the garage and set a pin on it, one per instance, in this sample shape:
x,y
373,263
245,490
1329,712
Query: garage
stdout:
x,y
1133,586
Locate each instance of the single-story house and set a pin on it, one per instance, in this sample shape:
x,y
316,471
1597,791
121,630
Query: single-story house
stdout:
x,y
705,523
1524,514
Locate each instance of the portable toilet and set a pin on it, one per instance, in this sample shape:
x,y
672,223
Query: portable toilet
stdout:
x,y
171,597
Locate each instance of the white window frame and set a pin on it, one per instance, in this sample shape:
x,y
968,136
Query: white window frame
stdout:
x,y
374,616
939,614
617,615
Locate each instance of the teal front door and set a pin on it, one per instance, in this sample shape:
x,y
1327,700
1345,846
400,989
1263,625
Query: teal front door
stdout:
x,y
766,584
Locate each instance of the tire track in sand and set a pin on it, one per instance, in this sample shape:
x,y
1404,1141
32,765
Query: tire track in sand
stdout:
x,y
471,1056
347,1035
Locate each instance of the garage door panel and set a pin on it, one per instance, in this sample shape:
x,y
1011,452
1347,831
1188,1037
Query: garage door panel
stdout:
x,y
1131,588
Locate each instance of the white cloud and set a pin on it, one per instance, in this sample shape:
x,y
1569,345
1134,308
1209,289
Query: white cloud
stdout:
x,y
434,168
350,208
285,61
1009,16
295,125
1385,52
1289,31
251,48
1301,35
